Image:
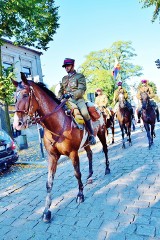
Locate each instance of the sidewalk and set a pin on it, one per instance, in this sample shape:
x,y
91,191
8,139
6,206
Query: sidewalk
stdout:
x,y
33,154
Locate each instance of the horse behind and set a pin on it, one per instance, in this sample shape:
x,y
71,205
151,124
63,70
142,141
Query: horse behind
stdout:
x,y
109,122
125,119
61,136
148,117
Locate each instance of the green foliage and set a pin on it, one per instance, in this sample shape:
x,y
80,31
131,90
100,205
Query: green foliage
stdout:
x,y
99,65
150,3
29,22
7,89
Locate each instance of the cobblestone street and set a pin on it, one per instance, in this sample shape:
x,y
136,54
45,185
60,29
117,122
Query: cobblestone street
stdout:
x,y
124,205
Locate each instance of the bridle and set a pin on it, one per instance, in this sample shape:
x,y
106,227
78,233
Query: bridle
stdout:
x,y
144,100
121,100
29,106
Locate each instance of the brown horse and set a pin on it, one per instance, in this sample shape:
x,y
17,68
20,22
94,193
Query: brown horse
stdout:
x,y
61,136
148,117
124,118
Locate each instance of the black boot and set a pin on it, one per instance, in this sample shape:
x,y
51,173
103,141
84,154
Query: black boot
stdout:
x,y
91,138
157,112
139,116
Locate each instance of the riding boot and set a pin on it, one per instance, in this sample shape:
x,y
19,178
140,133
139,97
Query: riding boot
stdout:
x,y
139,117
92,139
157,113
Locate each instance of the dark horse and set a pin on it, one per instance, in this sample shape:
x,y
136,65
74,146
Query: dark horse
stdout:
x,y
124,118
109,122
61,136
148,117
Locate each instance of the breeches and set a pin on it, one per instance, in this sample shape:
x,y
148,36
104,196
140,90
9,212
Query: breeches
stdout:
x,y
82,108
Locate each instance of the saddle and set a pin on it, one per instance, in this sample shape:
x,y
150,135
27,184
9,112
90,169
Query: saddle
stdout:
x,y
93,112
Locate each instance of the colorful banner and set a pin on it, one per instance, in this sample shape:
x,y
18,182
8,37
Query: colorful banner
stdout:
x,y
116,68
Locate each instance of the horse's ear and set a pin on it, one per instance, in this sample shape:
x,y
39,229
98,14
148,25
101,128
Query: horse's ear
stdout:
x,y
23,77
15,83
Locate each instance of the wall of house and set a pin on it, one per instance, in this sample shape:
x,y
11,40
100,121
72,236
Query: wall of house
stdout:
x,y
23,59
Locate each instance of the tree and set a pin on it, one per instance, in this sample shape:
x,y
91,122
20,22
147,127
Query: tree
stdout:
x,y
98,67
154,3
6,98
32,23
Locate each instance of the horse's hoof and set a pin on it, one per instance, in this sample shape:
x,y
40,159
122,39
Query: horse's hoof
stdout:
x,y
80,198
112,141
46,216
107,171
89,181
90,175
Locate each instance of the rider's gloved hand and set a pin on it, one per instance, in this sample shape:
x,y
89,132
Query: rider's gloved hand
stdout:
x,y
67,95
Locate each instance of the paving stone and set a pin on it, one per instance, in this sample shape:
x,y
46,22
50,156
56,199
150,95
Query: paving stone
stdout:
x,y
122,205
146,230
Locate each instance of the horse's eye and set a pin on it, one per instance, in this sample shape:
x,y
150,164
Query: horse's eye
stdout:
x,y
25,95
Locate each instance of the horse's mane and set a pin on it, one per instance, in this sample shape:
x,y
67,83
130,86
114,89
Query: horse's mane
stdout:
x,y
49,92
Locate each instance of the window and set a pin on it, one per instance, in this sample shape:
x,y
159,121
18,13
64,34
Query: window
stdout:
x,y
8,67
26,71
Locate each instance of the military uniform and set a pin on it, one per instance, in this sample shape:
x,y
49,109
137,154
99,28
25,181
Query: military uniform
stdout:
x,y
75,84
116,98
117,92
101,101
146,89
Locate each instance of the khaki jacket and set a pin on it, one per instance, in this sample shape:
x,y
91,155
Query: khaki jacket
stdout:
x,y
146,89
101,101
76,84
117,92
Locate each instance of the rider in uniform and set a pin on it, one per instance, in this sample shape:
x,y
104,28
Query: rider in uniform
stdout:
x,y
147,89
101,100
122,90
75,83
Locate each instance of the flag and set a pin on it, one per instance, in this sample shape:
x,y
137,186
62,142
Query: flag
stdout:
x,y
116,68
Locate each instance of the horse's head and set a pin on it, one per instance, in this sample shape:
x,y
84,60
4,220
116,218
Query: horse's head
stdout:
x,y
144,100
121,100
26,103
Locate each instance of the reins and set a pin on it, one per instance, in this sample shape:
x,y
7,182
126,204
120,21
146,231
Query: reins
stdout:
x,y
40,119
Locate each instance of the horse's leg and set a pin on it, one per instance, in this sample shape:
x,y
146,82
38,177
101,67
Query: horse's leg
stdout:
x,y
89,155
146,125
49,184
75,161
122,130
102,138
112,131
152,132
129,133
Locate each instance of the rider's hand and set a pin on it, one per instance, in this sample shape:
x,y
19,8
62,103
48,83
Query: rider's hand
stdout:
x,y
67,95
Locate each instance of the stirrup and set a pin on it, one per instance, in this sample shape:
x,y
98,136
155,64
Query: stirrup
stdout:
x,y
92,140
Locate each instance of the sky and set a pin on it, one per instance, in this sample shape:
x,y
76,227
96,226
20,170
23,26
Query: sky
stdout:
x,y
93,25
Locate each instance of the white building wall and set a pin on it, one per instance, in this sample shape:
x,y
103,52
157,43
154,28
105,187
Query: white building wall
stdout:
x,y
21,57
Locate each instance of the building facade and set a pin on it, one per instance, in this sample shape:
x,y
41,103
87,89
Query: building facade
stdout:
x,y
22,59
